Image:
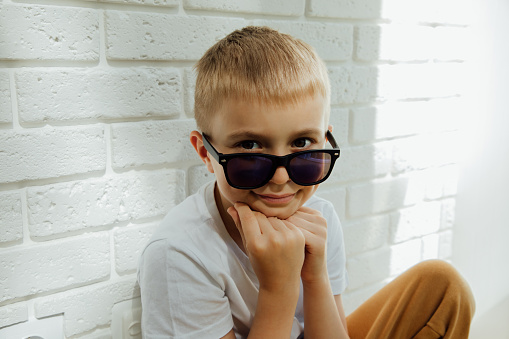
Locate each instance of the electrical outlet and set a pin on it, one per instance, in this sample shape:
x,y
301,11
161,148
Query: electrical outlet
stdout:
x,y
126,322
46,328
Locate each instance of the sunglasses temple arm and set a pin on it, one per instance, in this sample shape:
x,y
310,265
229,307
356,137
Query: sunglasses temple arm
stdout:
x,y
210,148
331,139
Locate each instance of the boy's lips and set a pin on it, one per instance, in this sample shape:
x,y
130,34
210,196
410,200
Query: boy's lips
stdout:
x,y
276,198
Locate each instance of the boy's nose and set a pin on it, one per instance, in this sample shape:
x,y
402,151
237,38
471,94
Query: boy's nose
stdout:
x,y
280,176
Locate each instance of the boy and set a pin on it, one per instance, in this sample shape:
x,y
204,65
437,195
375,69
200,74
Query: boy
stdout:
x,y
254,254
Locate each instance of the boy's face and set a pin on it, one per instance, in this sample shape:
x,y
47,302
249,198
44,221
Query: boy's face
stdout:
x,y
247,127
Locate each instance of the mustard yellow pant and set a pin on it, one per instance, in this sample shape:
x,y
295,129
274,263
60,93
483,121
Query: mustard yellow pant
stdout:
x,y
430,300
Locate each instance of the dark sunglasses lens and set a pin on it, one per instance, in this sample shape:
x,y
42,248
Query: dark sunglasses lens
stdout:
x,y
310,168
249,171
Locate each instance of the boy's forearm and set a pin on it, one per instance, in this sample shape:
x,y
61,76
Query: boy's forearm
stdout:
x,y
321,316
274,313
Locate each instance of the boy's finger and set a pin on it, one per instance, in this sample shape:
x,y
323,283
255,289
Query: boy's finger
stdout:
x,y
248,221
235,216
308,210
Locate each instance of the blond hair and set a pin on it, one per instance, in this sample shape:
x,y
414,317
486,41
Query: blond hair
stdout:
x,y
257,64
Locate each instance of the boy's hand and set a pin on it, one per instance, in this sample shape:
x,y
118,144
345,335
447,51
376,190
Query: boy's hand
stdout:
x,y
275,247
314,228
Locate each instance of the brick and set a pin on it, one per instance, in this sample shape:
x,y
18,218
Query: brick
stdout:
x,y
383,42
368,268
158,3
87,308
198,176
445,245
435,81
63,95
405,255
154,36
434,183
11,225
362,162
366,234
367,42
5,98
48,267
100,334
152,143
337,196
189,85
348,9
78,205
415,221
441,182
282,7
384,195
44,33
13,314
51,152
353,84
415,117
424,151
430,246
129,242
332,42
448,213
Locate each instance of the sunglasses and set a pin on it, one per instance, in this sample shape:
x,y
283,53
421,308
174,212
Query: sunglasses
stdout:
x,y
254,170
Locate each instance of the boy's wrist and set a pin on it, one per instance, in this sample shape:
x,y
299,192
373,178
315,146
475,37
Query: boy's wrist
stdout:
x,y
283,290
275,311
317,280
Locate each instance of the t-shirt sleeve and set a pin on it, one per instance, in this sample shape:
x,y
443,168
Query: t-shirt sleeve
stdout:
x,y
179,298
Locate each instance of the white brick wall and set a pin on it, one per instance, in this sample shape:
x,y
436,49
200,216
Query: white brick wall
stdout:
x,y
283,7
11,227
5,98
58,95
96,106
51,152
29,270
44,33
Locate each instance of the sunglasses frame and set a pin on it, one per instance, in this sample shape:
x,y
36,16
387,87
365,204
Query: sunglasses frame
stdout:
x,y
277,161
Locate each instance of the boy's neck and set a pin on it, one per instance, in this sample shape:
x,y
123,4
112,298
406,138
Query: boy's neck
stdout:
x,y
227,219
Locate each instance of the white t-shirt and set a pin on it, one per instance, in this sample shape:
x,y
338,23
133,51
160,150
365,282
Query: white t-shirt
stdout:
x,y
197,283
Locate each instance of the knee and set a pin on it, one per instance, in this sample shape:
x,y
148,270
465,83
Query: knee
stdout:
x,y
439,271
441,275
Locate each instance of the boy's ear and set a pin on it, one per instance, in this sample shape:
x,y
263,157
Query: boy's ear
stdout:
x,y
196,139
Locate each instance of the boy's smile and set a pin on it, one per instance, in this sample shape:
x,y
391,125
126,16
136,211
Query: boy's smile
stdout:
x,y
247,127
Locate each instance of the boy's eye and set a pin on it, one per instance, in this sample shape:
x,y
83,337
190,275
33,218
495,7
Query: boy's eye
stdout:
x,y
249,144
302,143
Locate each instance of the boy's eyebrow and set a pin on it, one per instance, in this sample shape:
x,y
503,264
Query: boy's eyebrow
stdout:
x,y
257,136
244,134
310,131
